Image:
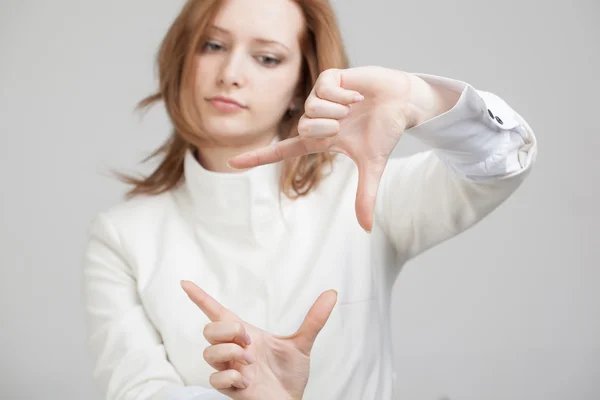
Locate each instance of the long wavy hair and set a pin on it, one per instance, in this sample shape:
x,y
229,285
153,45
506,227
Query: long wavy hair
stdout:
x,y
322,48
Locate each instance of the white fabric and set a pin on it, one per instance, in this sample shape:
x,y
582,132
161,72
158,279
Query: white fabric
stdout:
x,y
474,152
268,258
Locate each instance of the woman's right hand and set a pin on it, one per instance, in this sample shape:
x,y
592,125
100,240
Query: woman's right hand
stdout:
x,y
253,364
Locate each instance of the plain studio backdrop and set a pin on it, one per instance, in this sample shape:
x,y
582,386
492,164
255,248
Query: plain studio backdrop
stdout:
x,y
508,310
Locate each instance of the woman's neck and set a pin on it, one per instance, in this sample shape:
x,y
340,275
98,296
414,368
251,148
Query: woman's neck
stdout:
x,y
215,158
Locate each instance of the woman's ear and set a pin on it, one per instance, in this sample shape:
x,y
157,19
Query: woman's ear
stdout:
x,y
295,105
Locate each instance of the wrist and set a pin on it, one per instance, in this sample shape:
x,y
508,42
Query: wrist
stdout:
x,y
427,101
282,395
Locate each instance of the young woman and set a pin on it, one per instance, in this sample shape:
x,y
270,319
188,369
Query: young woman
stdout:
x,y
277,209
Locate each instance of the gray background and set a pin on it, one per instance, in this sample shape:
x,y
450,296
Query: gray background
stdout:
x,y
508,310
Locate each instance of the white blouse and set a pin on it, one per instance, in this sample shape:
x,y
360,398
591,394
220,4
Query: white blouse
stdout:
x,y
268,258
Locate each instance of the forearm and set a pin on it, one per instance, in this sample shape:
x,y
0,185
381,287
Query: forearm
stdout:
x,y
480,136
486,149
428,100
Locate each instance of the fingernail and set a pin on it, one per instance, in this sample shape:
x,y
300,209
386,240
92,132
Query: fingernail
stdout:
x,y
246,382
248,339
359,97
250,359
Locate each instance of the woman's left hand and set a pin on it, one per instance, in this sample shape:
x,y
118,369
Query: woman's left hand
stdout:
x,y
360,112
278,367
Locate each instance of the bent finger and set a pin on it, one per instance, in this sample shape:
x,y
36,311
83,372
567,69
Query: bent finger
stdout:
x,y
228,379
311,128
329,87
339,95
226,332
319,108
224,353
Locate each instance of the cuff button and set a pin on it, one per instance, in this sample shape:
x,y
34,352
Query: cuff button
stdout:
x,y
499,120
490,112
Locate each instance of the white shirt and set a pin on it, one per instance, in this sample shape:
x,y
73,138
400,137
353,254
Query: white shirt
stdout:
x,y
268,258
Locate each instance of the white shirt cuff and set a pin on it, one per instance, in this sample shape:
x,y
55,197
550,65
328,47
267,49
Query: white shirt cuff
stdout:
x,y
481,137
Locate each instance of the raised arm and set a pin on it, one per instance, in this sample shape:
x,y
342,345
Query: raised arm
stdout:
x,y
481,151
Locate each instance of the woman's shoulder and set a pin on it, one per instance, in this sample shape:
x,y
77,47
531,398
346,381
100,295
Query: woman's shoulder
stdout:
x,y
134,215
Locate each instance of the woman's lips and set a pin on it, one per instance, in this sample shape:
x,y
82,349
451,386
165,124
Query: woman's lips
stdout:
x,y
225,104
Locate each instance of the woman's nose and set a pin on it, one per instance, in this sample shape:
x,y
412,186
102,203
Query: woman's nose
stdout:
x,y
232,72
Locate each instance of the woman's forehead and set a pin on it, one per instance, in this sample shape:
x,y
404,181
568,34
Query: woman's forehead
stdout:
x,y
271,20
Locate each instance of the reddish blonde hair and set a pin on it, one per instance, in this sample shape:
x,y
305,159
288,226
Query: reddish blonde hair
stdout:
x,y
322,48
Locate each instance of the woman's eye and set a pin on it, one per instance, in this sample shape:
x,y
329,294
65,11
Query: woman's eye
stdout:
x,y
211,46
268,61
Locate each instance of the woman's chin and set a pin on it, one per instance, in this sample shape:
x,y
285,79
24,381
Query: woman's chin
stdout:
x,y
226,128
231,132
231,135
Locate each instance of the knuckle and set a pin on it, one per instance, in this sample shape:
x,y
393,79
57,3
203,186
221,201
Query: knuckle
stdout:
x,y
234,374
331,71
303,126
228,377
312,108
207,329
345,111
222,314
229,350
206,354
278,156
238,352
323,91
335,126
239,329
214,380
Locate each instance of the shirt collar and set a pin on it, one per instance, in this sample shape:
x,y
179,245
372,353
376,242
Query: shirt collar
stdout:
x,y
248,201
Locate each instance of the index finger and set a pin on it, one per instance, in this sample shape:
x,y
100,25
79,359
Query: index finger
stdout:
x,y
209,306
329,87
289,148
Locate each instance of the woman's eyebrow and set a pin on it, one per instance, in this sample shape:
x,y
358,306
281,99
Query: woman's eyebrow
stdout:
x,y
259,40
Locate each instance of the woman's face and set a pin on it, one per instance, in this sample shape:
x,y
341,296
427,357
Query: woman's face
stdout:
x,y
252,57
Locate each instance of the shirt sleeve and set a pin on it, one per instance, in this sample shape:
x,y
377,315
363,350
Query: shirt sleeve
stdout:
x,y
129,358
479,153
481,137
